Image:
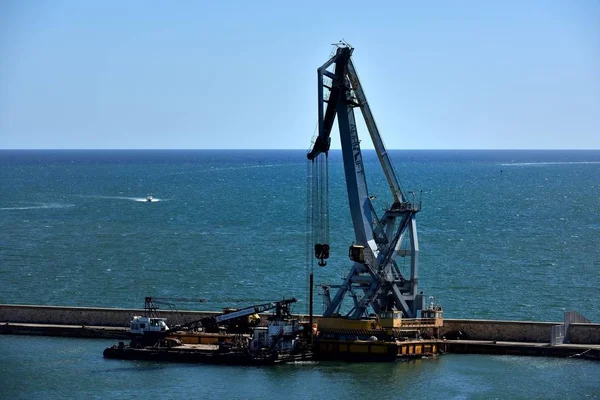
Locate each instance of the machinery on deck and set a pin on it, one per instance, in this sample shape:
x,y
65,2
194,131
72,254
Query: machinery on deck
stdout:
x,y
375,294
277,342
149,329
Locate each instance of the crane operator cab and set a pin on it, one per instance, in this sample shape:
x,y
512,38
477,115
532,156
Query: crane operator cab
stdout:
x,y
390,319
357,253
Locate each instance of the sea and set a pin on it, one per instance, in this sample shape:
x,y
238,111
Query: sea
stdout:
x,y
503,234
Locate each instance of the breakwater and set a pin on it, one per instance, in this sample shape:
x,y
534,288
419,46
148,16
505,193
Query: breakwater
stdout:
x,y
34,319
520,331
88,316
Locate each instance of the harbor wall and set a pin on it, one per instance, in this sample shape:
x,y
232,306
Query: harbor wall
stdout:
x,y
519,331
583,333
87,316
514,331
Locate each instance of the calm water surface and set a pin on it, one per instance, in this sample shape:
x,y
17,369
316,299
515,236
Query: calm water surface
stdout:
x,y
74,368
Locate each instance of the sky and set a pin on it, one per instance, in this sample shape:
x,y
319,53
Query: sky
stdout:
x,y
242,74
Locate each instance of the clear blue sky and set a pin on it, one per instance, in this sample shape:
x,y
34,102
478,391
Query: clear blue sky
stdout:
x,y
242,74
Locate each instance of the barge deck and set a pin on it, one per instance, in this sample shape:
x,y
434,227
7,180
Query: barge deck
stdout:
x,y
201,354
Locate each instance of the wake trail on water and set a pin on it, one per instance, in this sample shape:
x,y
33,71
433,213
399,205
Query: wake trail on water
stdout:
x,y
524,164
39,206
138,199
219,169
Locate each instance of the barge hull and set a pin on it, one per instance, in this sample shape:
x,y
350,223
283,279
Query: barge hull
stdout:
x,y
374,351
188,355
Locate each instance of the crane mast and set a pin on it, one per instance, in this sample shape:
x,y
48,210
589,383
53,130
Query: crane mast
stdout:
x,y
375,282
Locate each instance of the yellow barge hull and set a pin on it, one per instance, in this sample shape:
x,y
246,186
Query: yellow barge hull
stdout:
x,y
359,350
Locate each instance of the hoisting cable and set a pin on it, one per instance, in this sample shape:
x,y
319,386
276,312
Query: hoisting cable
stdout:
x,y
321,212
327,198
309,228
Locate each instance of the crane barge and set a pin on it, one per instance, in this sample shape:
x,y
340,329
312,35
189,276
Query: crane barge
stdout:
x,y
377,311
278,342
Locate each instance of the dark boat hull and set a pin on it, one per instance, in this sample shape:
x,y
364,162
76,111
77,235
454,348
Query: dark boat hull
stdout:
x,y
184,355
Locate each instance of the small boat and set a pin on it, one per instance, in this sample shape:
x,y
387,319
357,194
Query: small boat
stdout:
x,y
149,198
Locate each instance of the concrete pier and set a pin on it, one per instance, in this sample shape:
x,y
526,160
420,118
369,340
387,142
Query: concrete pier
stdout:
x,y
520,331
490,330
78,331
477,336
583,351
89,316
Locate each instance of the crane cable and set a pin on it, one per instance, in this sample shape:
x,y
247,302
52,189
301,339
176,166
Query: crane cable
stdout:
x,y
309,227
321,208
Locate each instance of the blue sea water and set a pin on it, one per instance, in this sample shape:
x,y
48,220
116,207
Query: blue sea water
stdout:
x,y
42,368
503,234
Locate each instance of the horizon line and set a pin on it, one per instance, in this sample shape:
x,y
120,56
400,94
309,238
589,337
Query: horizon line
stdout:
x,y
282,149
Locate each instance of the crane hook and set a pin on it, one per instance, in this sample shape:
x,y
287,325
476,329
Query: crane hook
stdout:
x,y
322,253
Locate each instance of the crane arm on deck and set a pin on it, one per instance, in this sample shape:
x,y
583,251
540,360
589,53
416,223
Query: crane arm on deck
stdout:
x,y
213,321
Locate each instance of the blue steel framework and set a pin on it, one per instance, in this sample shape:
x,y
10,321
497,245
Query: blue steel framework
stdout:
x,y
374,283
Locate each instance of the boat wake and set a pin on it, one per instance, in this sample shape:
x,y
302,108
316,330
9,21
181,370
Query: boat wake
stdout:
x,y
542,163
219,169
138,199
38,206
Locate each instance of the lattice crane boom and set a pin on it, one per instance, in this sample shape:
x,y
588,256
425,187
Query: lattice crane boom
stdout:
x,y
375,281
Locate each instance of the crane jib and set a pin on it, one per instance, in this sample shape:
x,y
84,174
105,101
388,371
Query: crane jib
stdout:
x,y
375,281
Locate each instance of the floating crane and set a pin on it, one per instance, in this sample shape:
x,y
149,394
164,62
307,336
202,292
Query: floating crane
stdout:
x,y
382,321
374,282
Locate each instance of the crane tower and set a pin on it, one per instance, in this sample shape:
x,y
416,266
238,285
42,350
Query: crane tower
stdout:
x,y
375,282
